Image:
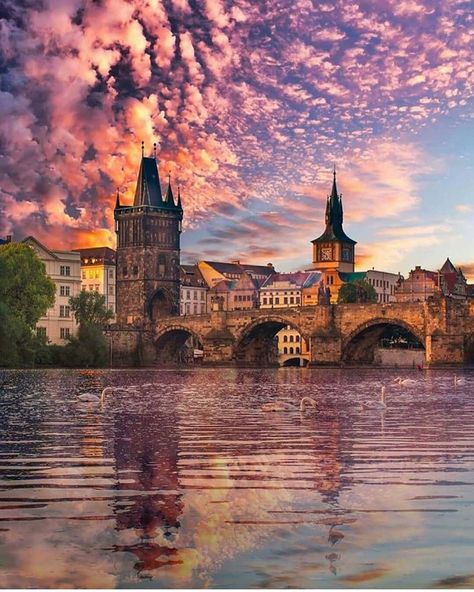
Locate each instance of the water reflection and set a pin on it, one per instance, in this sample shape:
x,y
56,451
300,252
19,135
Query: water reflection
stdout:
x,y
180,480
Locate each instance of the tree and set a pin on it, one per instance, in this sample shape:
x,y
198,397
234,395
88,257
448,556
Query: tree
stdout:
x,y
89,348
359,291
26,293
89,308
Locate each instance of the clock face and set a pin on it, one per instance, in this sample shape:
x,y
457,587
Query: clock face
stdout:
x,y
326,254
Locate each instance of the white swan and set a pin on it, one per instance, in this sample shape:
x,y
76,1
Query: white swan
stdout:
x,y
405,381
376,404
458,380
91,398
285,406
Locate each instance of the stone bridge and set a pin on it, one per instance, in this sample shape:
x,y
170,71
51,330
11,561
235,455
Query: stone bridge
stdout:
x,y
336,334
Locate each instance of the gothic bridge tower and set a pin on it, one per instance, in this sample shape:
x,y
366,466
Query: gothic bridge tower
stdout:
x,y
148,249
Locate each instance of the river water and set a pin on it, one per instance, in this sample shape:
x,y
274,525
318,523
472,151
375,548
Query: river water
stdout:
x,y
180,479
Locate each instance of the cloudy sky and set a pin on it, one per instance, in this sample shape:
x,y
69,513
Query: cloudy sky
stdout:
x,y
251,102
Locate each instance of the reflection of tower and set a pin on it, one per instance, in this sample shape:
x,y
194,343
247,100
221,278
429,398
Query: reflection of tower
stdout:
x,y
146,464
148,249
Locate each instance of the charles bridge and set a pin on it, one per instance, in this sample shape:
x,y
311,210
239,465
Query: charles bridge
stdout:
x,y
336,334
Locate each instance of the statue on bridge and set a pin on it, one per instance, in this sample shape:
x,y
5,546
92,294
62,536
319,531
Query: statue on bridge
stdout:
x,y
324,294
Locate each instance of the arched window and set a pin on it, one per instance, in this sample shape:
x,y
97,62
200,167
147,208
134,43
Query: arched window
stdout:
x,y
285,350
297,339
297,350
291,338
291,350
285,338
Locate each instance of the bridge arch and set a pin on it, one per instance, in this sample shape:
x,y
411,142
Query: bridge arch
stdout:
x,y
177,344
360,345
256,344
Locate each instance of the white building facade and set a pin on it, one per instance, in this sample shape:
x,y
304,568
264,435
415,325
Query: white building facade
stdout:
x,y
384,283
64,268
193,291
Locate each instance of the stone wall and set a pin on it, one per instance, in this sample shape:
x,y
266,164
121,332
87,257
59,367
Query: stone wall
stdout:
x,y
442,327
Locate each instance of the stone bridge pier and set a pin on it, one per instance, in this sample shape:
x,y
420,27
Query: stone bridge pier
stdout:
x,y
336,334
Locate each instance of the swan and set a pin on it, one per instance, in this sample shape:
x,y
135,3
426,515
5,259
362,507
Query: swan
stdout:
x,y
376,404
458,380
91,398
405,381
285,406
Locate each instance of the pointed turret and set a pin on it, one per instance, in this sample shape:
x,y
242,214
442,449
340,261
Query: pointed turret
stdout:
x,y
169,198
179,205
334,217
148,191
117,201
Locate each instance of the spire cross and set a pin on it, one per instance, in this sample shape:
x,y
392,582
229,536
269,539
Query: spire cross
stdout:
x,y
154,150
143,148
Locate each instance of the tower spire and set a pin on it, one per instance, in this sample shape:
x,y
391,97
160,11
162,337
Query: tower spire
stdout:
x,y
169,199
179,205
117,200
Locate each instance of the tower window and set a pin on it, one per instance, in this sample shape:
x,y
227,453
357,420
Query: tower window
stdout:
x,y
125,271
135,270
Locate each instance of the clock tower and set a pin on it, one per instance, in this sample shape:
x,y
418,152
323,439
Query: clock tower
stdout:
x,y
333,251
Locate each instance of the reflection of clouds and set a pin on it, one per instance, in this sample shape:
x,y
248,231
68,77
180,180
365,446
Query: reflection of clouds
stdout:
x,y
196,485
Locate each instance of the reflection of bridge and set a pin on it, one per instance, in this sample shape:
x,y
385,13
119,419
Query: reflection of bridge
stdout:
x,y
335,334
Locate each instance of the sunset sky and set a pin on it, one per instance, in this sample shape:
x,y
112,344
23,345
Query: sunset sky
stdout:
x,y
251,102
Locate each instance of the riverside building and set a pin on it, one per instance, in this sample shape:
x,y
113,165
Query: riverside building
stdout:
x,y
64,268
98,272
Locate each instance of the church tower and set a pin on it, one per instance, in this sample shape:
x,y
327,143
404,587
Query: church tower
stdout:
x,y
334,250
148,249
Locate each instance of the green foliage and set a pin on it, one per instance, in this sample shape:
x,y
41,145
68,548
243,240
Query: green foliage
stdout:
x,y
25,288
26,293
359,291
89,308
89,347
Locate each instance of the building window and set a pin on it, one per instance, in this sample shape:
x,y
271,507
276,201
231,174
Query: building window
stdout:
x,y
291,350
64,311
195,308
285,350
188,294
97,286
111,274
41,332
297,338
292,300
285,338
125,271
202,295
64,333
64,290
297,350
277,301
96,274
84,275
291,338
285,300
64,270
111,290
264,301
135,270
